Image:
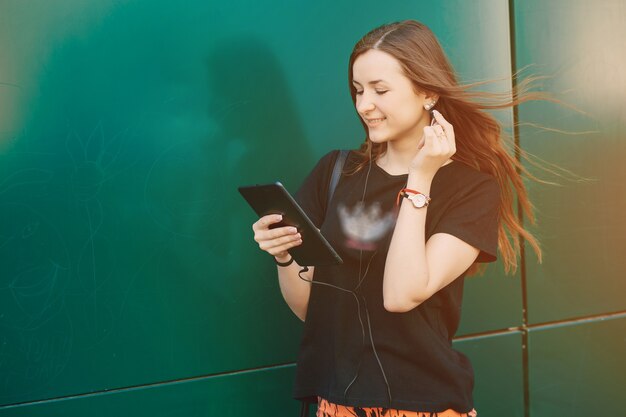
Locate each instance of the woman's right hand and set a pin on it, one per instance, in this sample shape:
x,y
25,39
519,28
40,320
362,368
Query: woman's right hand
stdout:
x,y
276,241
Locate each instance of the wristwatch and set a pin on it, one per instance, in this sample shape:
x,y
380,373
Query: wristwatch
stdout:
x,y
418,199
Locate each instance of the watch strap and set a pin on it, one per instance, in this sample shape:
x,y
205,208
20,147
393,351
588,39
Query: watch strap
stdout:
x,y
407,192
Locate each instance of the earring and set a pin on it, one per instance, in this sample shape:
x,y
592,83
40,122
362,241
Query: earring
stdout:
x,y
430,105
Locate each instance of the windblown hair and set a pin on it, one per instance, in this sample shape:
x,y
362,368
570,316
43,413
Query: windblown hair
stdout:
x,y
480,141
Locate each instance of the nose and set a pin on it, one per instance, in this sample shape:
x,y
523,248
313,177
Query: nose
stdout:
x,y
364,104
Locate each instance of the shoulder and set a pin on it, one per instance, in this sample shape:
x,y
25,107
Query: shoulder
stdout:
x,y
325,164
463,175
330,156
459,181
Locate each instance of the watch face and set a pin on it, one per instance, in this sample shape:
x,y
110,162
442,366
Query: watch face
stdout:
x,y
419,200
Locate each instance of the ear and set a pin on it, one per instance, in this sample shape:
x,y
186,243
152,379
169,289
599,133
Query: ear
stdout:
x,y
430,100
428,96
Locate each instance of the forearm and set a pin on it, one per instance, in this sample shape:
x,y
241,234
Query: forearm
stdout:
x,y
406,269
295,290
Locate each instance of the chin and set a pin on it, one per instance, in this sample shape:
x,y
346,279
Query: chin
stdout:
x,y
378,138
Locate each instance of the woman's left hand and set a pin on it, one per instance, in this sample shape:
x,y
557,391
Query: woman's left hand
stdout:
x,y
435,148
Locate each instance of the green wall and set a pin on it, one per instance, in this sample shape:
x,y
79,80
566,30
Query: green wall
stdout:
x,y
576,310
130,283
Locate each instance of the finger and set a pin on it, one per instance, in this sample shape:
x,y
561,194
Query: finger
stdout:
x,y
263,235
429,133
284,240
430,138
438,145
439,131
439,118
420,145
447,127
448,132
282,248
265,221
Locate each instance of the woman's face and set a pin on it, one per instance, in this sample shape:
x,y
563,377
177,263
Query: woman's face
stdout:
x,y
385,99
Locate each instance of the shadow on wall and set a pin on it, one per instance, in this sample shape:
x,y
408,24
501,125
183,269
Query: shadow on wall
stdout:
x,y
257,125
122,207
255,116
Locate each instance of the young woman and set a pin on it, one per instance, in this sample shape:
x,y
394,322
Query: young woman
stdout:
x,y
426,198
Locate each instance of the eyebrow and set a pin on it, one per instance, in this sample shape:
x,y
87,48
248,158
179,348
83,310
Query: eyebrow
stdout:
x,y
370,83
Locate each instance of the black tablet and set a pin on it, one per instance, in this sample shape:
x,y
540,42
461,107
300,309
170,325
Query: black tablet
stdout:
x,y
275,199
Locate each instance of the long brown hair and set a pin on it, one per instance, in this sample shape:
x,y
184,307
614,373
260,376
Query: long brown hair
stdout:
x,y
480,141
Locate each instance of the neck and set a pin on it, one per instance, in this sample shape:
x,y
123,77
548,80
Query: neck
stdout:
x,y
399,154
397,158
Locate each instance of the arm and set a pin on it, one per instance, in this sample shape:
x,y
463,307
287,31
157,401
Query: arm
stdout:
x,y
295,290
416,269
276,242
312,197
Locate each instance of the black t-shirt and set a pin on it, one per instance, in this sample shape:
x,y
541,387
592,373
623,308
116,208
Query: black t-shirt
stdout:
x,y
411,360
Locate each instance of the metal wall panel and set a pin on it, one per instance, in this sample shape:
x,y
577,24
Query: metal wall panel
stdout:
x,y
491,302
581,223
578,369
258,393
499,382
498,390
125,128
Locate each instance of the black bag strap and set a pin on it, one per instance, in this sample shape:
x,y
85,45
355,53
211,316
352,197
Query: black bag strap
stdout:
x,y
334,180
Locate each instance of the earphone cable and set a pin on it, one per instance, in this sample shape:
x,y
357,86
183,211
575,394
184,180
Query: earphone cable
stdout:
x,y
355,295
358,304
374,350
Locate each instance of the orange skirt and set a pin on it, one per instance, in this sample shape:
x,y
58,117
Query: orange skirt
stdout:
x,y
328,409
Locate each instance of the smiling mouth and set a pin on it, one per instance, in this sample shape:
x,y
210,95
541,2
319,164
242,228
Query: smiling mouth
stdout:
x,y
373,122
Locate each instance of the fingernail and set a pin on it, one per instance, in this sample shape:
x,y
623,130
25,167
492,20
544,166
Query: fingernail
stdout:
x,y
293,230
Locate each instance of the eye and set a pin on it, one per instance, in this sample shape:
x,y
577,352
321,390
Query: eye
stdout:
x,y
381,92
358,93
